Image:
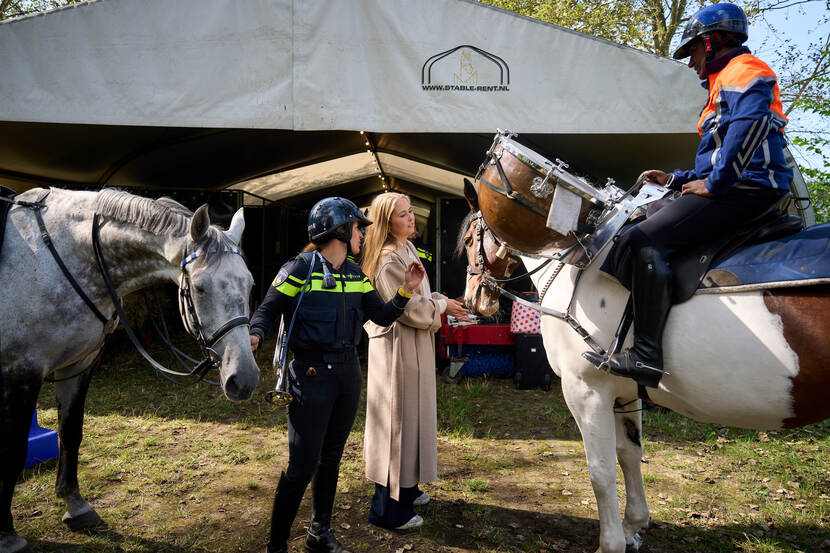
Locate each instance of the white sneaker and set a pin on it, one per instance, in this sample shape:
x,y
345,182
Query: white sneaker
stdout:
x,y
412,524
421,500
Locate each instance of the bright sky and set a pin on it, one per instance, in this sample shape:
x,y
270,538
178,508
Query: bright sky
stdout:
x,y
794,27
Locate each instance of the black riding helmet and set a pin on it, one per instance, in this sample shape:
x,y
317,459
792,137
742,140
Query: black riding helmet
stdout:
x,y
330,213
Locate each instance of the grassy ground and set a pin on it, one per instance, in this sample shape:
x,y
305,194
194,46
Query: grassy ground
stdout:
x,y
181,469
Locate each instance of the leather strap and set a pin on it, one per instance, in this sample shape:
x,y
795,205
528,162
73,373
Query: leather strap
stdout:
x,y
44,235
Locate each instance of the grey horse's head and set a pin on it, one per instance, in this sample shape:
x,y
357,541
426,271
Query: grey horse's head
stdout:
x,y
220,285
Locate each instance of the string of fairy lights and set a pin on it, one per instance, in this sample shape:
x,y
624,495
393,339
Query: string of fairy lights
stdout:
x,y
387,183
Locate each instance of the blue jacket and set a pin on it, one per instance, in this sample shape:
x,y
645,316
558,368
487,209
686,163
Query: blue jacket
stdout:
x,y
741,127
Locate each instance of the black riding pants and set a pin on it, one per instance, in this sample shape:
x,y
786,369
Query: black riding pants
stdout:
x,y
321,415
676,224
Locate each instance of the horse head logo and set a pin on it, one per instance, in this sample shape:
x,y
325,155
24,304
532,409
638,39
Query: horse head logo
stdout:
x,y
467,74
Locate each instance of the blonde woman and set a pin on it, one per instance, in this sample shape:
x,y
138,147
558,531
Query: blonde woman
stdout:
x,y
329,295
400,443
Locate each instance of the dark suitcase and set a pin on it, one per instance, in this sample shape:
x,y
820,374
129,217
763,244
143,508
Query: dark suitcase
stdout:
x,y
531,364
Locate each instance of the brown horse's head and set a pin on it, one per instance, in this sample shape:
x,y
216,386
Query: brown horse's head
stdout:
x,y
484,259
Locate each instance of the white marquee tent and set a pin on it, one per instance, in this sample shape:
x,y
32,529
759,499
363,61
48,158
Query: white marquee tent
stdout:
x,y
270,96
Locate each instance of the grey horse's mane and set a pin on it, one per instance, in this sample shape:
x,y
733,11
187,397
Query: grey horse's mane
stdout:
x,y
460,248
162,216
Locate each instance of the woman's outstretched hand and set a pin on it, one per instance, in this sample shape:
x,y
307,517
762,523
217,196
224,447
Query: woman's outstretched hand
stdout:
x,y
457,310
413,277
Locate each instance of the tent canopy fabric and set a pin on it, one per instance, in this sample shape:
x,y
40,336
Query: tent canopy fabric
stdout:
x,y
215,94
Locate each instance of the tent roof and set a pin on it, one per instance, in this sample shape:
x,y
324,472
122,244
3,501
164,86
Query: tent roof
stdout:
x,y
171,94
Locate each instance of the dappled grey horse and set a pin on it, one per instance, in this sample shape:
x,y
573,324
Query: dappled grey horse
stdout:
x,y
55,321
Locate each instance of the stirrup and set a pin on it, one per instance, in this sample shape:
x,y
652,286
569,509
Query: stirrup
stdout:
x,y
648,376
641,365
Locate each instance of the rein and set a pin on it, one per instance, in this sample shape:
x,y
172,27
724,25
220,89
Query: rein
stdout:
x,y
37,208
495,284
481,227
188,313
186,307
562,316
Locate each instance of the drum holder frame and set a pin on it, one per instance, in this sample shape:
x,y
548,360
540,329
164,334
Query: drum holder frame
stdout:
x,y
612,206
611,224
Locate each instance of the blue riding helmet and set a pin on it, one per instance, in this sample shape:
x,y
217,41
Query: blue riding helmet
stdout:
x,y
727,18
330,213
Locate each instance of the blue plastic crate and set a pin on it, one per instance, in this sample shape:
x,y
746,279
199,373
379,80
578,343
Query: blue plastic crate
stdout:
x,y
43,444
489,360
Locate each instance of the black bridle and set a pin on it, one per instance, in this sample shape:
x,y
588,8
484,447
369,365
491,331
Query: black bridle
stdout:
x,y
481,229
187,310
495,284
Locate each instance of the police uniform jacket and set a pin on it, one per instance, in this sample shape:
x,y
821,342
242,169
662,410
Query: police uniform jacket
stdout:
x,y
741,127
328,320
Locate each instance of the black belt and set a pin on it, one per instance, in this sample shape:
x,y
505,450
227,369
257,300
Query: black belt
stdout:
x,y
311,356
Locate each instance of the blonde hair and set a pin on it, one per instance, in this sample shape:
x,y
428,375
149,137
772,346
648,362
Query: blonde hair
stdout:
x,y
377,234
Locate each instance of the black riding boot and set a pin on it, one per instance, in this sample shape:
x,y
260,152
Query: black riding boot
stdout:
x,y
320,535
651,293
286,502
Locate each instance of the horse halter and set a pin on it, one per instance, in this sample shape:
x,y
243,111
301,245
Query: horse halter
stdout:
x,y
481,228
186,309
190,318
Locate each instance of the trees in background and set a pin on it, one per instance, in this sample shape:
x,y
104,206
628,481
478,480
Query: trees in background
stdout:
x,y
18,8
803,67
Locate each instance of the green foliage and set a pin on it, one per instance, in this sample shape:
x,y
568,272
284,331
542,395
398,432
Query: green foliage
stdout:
x,y
818,178
651,25
631,23
19,8
820,194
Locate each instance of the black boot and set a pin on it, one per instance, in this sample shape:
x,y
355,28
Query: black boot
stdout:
x,y
286,502
651,293
320,535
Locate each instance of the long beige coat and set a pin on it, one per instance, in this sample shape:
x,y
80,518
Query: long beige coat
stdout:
x,y
400,442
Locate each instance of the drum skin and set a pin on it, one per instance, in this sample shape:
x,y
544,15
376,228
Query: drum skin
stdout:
x,y
520,227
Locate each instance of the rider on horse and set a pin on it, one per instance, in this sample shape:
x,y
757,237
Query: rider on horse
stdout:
x,y
739,173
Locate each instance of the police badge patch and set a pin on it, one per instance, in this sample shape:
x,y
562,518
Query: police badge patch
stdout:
x,y
280,278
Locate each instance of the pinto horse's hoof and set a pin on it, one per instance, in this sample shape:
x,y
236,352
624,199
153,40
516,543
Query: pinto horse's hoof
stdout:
x,y
12,543
88,520
637,542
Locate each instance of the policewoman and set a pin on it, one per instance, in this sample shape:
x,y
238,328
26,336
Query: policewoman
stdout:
x,y
331,297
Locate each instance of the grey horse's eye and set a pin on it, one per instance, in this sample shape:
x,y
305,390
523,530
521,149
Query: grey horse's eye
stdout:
x,y
199,289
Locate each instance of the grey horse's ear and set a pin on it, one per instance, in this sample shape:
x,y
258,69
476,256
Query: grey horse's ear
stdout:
x,y
200,223
234,232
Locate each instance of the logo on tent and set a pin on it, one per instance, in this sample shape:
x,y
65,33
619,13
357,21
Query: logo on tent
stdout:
x,y
465,68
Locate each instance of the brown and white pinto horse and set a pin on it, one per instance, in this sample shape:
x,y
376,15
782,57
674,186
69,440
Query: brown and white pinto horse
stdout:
x,y
752,359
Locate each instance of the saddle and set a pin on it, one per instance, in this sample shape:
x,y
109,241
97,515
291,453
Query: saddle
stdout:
x,y
691,267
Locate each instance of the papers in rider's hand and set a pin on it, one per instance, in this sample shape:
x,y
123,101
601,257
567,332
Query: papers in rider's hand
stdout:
x,y
452,321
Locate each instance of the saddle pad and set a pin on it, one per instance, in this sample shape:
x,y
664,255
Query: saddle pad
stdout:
x,y
804,256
